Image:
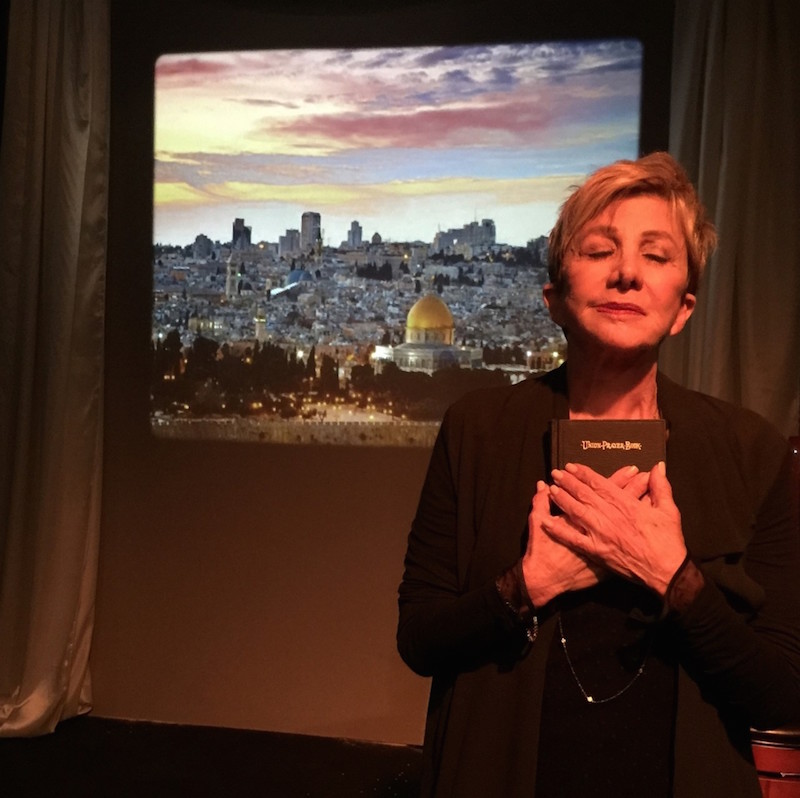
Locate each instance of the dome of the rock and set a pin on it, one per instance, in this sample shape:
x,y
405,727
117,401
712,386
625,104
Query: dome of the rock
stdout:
x,y
429,313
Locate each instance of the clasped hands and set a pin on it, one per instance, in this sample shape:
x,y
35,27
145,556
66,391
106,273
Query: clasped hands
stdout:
x,y
626,524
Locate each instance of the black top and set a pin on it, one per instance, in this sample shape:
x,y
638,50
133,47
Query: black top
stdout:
x,y
621,743
737,647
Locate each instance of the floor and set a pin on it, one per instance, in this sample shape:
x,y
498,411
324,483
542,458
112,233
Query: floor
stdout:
x,y
93,757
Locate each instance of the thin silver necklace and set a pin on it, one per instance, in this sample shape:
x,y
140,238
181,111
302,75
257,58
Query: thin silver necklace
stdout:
x,y
590,699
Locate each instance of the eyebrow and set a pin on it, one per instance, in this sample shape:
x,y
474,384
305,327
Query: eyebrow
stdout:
x,y
604,229
658,234
613,232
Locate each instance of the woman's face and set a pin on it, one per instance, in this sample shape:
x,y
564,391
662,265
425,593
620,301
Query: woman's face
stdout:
x,y
624,278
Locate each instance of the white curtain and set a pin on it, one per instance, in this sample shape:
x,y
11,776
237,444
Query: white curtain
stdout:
x,y
735,125
53,168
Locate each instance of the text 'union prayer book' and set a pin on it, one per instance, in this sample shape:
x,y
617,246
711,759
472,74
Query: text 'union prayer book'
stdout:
x,y
607,445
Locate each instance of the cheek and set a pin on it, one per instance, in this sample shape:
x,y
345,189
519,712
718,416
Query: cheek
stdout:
x,y
554,300
564,310
670,293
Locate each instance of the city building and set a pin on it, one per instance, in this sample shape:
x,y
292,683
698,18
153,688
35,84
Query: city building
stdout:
x,y
472,239
231,279
289,244
241,235
354,235
310,231
203,247
429,342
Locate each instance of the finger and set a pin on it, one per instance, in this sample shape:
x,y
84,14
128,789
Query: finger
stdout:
x,y
567,534
540,508
561,498
623,476
541,499
639,485
631,480
659,487
575,474
584,473
585,484
576,509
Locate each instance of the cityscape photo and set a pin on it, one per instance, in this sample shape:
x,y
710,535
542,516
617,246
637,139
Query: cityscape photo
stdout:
x,y
346,241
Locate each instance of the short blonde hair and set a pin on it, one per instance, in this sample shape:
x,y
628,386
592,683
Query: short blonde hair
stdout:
x,y
657,174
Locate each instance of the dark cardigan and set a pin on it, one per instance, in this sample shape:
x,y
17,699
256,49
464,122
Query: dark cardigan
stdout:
x,y
738,646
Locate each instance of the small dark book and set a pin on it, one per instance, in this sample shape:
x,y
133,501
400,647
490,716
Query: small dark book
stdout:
x,y
607,445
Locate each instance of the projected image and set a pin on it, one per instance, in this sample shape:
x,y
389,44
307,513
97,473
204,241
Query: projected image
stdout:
x,y
346,241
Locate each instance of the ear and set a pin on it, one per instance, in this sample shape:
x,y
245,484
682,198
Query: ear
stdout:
x,y
686,309
552,301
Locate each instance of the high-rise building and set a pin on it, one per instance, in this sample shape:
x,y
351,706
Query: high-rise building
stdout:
x,y
289,244
310,230
354,235
241,235
231,278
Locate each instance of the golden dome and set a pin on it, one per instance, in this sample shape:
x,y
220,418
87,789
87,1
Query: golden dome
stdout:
x,y
429,313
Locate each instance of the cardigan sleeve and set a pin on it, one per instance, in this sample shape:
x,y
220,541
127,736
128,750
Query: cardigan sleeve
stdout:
x,y
443,627
742,646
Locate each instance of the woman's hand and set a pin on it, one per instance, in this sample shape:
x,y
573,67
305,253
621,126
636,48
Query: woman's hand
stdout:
x,y
549,566
638,537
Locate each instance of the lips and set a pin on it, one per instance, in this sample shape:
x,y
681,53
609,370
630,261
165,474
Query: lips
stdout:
x,y
620,308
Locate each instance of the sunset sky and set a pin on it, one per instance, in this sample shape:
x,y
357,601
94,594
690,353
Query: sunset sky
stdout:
x,y
405,141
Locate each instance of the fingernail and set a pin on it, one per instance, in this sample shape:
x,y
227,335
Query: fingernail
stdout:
x,y
633,469
571,467
557,474
661,466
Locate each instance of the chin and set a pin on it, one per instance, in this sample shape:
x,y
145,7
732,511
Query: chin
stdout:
x,y
616,349
619,339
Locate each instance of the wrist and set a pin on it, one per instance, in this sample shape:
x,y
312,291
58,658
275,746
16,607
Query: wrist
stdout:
x,y
539,594
684,587
511,589
670,567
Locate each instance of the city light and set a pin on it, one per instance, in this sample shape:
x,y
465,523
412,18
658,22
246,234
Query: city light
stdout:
x,y
291,247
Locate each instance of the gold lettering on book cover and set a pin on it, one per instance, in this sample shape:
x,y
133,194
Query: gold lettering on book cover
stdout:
x,y
626,446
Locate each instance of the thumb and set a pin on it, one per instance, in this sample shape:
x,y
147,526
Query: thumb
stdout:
x,y
541,497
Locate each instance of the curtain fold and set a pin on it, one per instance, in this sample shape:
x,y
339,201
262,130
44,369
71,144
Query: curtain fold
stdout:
x,y
735,125
53,207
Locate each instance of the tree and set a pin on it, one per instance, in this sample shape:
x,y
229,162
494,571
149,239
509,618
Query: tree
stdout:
x,y
328,376
172,349
201,361
362,377
311,364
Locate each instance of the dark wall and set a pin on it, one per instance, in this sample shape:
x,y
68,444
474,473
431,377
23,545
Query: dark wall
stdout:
x,y
255,585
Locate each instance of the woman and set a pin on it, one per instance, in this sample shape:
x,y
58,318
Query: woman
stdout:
x,y
610,636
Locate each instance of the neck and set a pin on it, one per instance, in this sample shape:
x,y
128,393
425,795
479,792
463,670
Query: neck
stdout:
x,y
607,387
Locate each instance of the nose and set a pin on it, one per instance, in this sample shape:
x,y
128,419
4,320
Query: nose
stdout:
x,y
626,273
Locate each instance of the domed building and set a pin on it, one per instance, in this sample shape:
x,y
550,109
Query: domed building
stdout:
x,y
429,342
430,321
299,276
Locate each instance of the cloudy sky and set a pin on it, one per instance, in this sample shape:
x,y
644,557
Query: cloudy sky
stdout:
x,y
406,141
